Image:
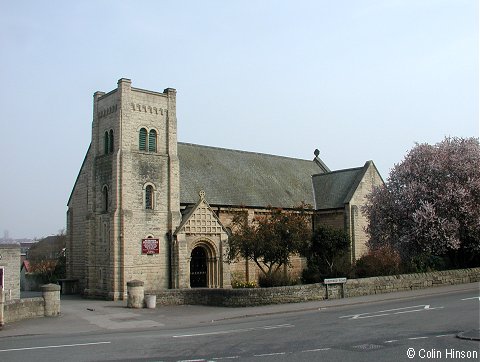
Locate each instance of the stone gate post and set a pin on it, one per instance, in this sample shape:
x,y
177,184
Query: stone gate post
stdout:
x,y
51,297
135,294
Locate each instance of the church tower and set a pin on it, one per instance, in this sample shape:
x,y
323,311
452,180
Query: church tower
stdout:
x,y
131,179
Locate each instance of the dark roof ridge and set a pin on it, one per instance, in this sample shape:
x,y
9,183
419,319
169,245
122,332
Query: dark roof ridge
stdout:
x,y
242,151
338,171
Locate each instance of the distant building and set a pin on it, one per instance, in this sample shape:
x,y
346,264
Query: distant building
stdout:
x,y
25,245
147,207
10,269
27,282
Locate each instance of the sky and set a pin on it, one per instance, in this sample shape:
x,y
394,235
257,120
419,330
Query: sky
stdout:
x,y
358,79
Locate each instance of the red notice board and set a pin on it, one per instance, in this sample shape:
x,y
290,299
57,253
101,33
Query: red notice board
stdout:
x,y
150,246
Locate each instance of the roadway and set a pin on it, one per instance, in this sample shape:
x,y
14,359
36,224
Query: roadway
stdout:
x,y
422,325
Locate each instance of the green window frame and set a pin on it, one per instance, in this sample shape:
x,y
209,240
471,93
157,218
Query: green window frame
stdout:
x,y
152,141
105,143
110,142
142,139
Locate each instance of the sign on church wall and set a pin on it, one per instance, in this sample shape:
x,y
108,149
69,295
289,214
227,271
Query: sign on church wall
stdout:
x,y
150,246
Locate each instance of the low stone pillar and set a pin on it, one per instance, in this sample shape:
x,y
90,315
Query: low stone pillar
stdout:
x,y
51,297
135,294
2,304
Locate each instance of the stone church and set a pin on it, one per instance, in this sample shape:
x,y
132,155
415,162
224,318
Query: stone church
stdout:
x,y
145,206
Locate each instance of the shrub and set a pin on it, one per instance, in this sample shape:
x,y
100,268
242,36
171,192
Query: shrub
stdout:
x,y
327,255
316,274
383,260
278,279
242,284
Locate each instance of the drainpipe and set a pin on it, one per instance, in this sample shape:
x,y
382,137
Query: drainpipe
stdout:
x,y
169,246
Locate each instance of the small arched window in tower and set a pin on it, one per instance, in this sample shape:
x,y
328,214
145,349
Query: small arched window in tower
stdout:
x,y
105,143
142,140
105,198
149,197
152,141
110,142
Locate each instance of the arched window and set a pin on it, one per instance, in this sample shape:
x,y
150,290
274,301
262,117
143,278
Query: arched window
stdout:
x,y
110,146
152,141
105,198
105,143
149,197
142,140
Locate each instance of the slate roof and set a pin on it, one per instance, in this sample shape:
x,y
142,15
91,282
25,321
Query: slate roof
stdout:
x,y
236,178
4,243
334,189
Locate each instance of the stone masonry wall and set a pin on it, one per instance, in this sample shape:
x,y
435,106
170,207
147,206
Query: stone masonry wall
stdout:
x,y
398,283
358,221
26,308
77,224
10,262
334,219
313,292
152,111
47,305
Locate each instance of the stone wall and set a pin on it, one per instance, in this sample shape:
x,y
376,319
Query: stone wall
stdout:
x,y
47,305
242,297
26,308
403,282
314,292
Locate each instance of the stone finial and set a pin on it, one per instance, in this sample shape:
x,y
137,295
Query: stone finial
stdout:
x,y
316,152
202,194
51,297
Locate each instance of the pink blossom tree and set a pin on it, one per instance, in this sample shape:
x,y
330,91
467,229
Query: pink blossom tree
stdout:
x,y
431,202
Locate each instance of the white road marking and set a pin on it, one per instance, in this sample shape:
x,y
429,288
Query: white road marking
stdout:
x,y
391,341
234,331
413,338
387,312
54,346
445,335
471,298
269,354
220,358
315,350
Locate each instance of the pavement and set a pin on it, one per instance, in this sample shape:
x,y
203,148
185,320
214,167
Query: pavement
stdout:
x,y
79,315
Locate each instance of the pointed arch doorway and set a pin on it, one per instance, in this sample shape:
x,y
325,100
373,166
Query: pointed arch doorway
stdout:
x,y
198,268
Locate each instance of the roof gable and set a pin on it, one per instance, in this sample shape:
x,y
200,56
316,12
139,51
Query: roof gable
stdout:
x,y
201,220
333,190
236,178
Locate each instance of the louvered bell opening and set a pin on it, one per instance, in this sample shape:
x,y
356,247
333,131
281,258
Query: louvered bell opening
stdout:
x,y
110,143
142,140
152,141
105,143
